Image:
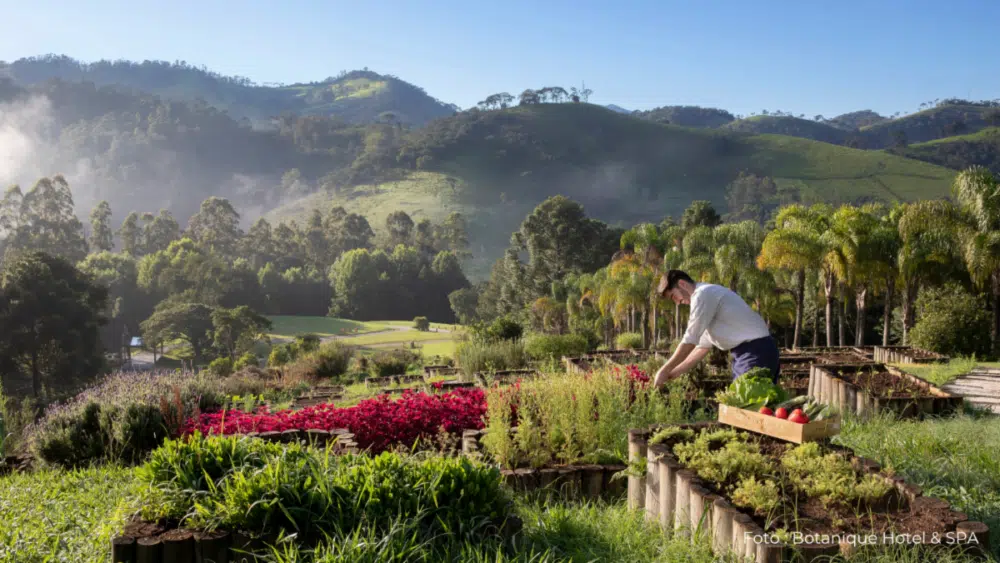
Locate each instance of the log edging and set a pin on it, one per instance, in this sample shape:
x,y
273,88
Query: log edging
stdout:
x,y
692,511
826,387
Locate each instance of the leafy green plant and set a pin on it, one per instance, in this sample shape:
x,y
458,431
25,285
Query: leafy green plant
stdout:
x,y
752,390
392,362
762,496
247,484
952,321
671,433
830,477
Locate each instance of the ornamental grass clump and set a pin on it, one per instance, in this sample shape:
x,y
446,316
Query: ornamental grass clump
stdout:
x,y
482,356
573,418
245,484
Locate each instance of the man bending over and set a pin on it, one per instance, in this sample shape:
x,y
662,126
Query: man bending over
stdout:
x,y
719,318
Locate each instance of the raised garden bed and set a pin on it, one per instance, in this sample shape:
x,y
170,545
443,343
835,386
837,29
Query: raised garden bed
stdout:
x,y
794,381
318,396
907,355
872,388
684,488
573,481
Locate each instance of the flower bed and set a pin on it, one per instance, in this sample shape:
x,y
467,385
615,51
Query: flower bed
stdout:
x,y
873,388
377,424
907,355
710,479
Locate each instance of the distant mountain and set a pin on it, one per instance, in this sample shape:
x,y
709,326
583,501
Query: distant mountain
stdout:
x,y
687,116
981,148
619,109
360,96
791,126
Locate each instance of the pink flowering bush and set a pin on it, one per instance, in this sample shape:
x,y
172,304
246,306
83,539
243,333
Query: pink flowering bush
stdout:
x,y
377,424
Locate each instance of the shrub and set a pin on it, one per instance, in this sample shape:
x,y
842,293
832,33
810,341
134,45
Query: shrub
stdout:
x,y
306,343
219,483
421,324
555,346
628,340
476,356
130,413
332,359
282,354
502,328
245,361
221,367
951,321
391,362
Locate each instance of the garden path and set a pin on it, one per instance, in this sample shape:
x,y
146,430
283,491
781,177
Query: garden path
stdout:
x,y
980,388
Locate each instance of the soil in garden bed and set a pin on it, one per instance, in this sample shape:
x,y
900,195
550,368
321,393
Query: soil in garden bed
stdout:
x,y
883,384
894,514
794,380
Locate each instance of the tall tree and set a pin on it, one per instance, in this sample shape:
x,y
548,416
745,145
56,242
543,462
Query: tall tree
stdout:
x,y
101,234
130,235
975,191
48,222
794,246
399,227
238,329
700,213
190,322
50,316
217,226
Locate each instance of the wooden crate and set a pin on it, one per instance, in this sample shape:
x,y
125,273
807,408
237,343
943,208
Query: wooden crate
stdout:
x,y
777,427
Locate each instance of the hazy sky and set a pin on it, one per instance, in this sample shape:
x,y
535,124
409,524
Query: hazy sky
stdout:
x,y
804,56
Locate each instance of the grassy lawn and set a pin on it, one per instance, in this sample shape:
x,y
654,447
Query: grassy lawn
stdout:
x,y
952,459
56,515
444,349
940,374
290,326
434,326
394,337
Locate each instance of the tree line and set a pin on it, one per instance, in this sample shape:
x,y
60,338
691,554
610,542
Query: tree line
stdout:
x,y
818,274
165,282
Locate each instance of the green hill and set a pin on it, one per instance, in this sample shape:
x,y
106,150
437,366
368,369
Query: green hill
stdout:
x,y
360,96
787,125
496,166
948,119
687,116
981,148
856,119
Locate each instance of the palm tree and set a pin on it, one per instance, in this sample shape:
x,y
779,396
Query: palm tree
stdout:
x,y
927,239
975,190
793,246
736,248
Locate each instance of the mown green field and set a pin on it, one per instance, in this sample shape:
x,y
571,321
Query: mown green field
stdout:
x,y
290,326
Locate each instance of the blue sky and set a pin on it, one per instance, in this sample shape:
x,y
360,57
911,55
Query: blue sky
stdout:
x,y
807,56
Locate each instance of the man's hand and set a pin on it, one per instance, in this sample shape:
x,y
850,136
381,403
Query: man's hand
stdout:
x,y
664,374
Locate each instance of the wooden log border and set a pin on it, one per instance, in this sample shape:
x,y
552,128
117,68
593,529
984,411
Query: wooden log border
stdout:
x,y
907,355
690,510
826,387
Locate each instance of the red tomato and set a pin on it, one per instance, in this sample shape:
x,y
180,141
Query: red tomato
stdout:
x,y
767,411
782,412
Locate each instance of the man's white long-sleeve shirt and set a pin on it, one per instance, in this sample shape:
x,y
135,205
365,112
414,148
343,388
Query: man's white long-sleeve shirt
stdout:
x,y
720,318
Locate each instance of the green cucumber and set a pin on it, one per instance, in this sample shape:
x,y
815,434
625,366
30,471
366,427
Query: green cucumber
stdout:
x,y
814,410
826,412
800,400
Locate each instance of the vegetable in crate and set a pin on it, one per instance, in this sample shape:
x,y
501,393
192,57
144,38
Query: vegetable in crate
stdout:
x,y
752,390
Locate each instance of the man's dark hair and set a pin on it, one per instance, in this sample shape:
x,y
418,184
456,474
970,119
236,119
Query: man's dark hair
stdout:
x,y
669,280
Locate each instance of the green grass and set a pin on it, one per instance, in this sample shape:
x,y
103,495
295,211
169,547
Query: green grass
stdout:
x,y
56,515
443,349
987,134
394,337
290,326
955,460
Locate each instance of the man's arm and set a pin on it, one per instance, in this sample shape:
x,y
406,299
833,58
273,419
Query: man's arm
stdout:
x,y
679,355
692,360
702,312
